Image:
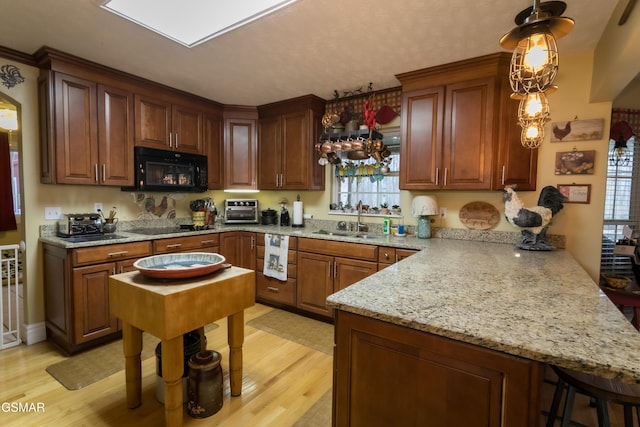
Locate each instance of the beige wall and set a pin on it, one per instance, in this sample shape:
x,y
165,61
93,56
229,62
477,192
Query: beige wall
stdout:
x,y
581,224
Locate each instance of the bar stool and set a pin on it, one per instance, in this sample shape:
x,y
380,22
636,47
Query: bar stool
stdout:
x,y
600,389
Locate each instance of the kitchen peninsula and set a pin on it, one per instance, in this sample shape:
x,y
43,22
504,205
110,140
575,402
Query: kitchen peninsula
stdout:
x,y
470,325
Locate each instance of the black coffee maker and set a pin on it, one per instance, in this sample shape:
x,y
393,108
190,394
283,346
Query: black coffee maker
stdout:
x,y
284,216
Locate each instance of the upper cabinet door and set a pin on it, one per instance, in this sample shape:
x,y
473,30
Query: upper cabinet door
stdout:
x,y
468,135
115,138
270,154
296,161
213,142
186,131
240,150
153,122
421,141
76,130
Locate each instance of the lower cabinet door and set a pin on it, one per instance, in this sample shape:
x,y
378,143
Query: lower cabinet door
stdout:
x,y
349,271
91,315
315,282
274,290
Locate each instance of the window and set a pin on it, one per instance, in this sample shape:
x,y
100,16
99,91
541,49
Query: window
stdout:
x,y
361,180
621,205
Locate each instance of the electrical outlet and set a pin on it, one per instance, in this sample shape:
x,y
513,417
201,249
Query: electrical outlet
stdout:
x,y
443,213
52,213
97,207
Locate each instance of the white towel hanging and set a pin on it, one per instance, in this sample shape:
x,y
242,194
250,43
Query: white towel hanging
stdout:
x,y
276,251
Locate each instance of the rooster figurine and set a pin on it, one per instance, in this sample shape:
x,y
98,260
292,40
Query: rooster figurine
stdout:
x,y
534,221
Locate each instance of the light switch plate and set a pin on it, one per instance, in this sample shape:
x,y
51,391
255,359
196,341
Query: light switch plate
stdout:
x,y
52,212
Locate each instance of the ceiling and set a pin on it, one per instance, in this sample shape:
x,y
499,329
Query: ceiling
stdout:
x,y
311,46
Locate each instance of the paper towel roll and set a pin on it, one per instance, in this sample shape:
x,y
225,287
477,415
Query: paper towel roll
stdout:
x,y
297,214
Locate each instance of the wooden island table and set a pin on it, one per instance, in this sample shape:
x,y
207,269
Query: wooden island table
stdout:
x,y
170,309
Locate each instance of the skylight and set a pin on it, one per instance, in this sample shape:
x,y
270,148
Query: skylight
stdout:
x,y
191,22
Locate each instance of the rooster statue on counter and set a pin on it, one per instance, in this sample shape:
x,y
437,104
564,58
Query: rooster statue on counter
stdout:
x,y
533,221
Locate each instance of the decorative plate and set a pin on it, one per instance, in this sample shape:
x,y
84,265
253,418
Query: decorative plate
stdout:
x,y
479,215
179,266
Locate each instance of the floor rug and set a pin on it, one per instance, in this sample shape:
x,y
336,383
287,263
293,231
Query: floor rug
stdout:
x,y
319,415
302,330
78,371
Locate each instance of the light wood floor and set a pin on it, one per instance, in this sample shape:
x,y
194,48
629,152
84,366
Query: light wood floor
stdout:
x,y
282,380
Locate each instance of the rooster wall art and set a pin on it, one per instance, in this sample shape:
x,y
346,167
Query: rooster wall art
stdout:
x,y
533,221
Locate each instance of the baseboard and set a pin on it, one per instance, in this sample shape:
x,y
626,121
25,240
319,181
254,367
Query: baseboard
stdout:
x,y
33,333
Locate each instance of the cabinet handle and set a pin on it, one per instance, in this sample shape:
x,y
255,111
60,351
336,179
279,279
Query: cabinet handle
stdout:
x,y
273,289
114,270
175,245
502,177
121,269
397,257
170,140
95,171
253,243
335,270
281,180
104,172
329,270
444,183
177,140
206,242
437,175
121,253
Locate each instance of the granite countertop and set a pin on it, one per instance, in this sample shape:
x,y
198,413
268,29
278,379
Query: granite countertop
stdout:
x,y
538,305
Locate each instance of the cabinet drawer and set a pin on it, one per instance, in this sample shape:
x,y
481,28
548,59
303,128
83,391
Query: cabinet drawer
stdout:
x,y
188,243
96,254
293,241
292,268
330,247
389,255
291,255
271,289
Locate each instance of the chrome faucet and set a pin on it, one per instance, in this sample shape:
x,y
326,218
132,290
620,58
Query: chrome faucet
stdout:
x,y
360,226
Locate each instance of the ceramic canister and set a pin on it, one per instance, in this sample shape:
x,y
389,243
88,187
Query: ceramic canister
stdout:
x,y
204,386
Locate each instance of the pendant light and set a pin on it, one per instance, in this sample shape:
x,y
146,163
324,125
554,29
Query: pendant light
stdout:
x,y
620,134
534,64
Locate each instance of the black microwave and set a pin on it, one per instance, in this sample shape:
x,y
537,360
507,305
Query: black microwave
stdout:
x,y
169,171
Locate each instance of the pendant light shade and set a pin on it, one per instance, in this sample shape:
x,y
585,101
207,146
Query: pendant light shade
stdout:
x,y
534,107
532,134
534,64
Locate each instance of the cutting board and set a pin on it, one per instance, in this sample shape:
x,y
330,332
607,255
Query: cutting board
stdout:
x,y
479,215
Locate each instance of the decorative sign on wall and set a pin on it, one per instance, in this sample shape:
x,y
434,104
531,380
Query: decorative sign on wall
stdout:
x,y
575,162
577,130
576,193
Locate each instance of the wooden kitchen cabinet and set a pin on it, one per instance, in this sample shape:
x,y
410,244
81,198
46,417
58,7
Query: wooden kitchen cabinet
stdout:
x,y
458,130
239,248
76,292
197,243
325,267
168,124
240,149
86,131
386,374
287,132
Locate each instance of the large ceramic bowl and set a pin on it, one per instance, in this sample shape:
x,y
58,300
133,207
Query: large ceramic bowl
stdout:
x,y
179,266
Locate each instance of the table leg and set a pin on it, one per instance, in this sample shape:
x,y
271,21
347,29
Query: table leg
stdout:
x,y
132,347
235,333
172,370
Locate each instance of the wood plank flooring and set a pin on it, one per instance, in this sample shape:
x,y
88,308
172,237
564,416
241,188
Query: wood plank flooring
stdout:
x,y
282,381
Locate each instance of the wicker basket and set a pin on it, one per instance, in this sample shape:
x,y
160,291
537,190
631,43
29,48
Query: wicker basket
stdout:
x,y
616,281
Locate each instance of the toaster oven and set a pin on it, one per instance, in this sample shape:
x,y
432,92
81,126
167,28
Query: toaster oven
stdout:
x,y
241,211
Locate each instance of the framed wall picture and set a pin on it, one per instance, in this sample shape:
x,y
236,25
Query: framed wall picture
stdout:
x,y
576,193
575,162
577,130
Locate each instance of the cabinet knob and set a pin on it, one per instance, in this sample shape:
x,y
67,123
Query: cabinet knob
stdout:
x,y
386,255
